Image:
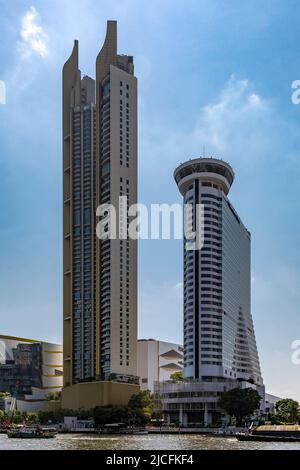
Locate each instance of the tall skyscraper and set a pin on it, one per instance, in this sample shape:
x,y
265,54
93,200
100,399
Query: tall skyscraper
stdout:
x,y
219,339
100,275
220,350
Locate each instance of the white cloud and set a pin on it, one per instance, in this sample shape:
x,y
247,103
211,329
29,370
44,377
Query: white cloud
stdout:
x,y
254,99
33,36
178,286
232,119
240,126
237,115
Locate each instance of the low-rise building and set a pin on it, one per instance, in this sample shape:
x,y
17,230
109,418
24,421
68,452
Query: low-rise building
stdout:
x,y
73,424
270,403
157,361
29,370
7,403
195,402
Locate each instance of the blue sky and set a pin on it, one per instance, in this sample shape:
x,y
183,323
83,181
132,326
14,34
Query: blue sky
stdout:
x,y
210,72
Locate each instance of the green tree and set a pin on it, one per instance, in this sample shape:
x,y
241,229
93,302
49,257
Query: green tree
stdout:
x,y
240,403
287,411
117,414
141,401
32,418
45,416
15,416
177,376
53,396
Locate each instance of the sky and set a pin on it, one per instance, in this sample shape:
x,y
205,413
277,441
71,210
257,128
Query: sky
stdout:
x,y
210,72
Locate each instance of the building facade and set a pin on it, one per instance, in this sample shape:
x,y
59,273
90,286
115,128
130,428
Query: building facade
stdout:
x,y
219,337
100,273
270,403
219,342
29,370
157,361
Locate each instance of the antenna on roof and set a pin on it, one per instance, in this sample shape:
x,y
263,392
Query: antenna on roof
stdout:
x,y
203,150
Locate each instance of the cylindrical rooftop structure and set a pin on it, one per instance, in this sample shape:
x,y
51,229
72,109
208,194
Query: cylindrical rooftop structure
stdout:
x,y
207,169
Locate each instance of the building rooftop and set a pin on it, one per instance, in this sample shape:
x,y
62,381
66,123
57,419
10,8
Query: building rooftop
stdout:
x,y
206,168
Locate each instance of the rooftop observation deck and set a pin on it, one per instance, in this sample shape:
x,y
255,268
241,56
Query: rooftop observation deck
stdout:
x,y
206,169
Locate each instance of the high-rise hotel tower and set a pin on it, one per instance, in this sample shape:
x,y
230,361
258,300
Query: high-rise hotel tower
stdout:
x,y
219,339
99,276
220,350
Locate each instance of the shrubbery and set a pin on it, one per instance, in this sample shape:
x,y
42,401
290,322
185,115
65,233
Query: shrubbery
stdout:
x,y
138,412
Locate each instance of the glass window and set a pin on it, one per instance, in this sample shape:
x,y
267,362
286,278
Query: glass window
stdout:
x,y
77,217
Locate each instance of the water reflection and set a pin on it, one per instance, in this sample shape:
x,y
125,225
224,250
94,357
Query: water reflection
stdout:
x,y
147,442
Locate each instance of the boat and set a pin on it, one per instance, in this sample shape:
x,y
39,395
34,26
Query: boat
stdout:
x,y
257,438
121,428
269,433
228,431
31,433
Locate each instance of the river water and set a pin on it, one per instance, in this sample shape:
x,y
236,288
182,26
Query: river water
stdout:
x,y
140,442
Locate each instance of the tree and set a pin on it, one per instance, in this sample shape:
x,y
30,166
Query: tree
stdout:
x,y
111,414
15,416
118,414
32,417
240,403
176,376
44,416
53,396
141,401
287,410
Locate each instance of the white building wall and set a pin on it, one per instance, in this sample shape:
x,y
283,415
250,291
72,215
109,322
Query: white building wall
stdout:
x,y
32,406
219,339
157,360
52,361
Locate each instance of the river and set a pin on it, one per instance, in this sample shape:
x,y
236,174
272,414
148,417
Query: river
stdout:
x,y
146,442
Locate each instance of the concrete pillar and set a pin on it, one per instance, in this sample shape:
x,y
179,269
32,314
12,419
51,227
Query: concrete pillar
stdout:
x,y
180,414
205,415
